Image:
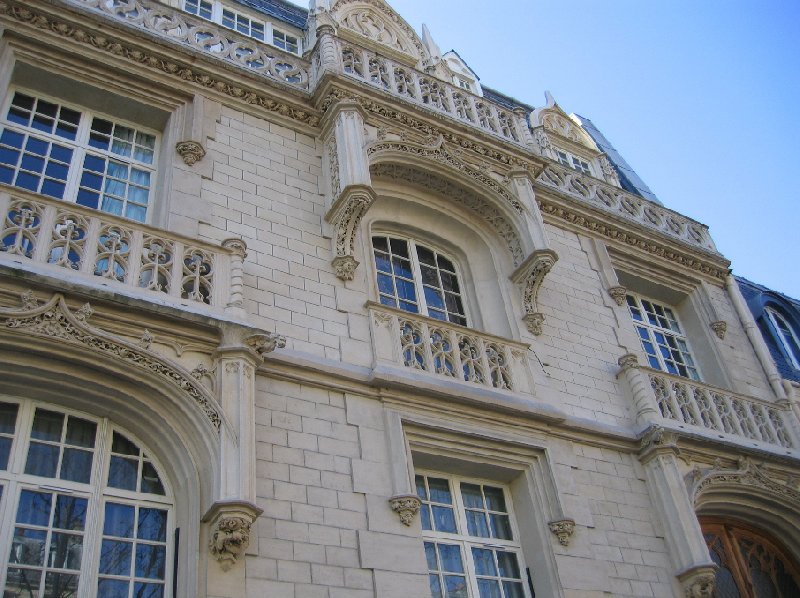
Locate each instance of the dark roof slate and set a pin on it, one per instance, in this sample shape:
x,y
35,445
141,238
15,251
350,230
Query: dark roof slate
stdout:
x,y
504,100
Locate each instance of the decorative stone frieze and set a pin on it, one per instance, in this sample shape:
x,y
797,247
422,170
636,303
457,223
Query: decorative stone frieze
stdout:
x,y
55,320
230,526
698,582
720,327
618,294
190,152
345,216
531,274
563,530
747,475
609,172
406,506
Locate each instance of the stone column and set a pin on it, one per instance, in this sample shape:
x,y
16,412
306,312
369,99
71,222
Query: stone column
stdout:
x,y
351,185
639,388
230,518
693,566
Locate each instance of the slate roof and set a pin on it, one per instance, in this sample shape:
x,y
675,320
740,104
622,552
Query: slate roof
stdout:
x,y
504,100
283,11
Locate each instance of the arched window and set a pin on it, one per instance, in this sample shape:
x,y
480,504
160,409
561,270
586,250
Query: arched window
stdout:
x,y
750,564
417,279
787,336
84,511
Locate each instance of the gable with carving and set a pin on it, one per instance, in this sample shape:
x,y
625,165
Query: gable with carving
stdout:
x,y
379,23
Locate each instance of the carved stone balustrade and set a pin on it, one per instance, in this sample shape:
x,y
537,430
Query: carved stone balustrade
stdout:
x,y
449,351
209,38
53,236
699,405
626,205
425,90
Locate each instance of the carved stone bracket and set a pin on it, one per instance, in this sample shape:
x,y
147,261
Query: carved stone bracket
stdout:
x,y
345,216
531,273
720,327
191,151
563,530
406,506
265,343
698,582
618,294
231,521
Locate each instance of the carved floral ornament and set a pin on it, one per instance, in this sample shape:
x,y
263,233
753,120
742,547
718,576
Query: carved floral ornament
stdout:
x,y
186,74
345,216
190,152
563,530
55,320
720,327
618,294
406,506
231,523
698,582
531,275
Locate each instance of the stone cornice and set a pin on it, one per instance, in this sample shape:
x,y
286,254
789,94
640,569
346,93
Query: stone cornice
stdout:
x,y
123,49
625,234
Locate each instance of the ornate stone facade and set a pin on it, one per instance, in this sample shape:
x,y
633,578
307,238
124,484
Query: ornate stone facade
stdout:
x,y
356,313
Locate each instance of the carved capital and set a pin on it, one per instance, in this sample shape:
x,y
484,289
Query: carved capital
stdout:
x,y
563,530
190,151
237,246
229,535
531,274
265,343
406,506
618,294
720,327
533,322
628,361
698,582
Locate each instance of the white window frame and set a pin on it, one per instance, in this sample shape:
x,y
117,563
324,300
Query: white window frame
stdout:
x,y
656,360
464,83
785,334
80,147
217,9
14,481
466,541
573,161
417,275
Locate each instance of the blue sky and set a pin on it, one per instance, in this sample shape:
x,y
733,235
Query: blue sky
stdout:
x,y
701,98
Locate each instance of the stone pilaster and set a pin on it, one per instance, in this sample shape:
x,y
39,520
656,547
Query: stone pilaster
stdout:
x,y
238,250
687,547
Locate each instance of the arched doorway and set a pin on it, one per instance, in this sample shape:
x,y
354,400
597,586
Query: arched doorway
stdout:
x,y
751,563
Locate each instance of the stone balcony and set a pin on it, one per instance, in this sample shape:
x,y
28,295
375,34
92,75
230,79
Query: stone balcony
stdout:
x,y
426,91
444,351
208,38
94,248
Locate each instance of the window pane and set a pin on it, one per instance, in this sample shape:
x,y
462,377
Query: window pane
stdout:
x,y
477,525
47,425
119,520
115,558
151,483
150,561
148,590
484,561
123,473
501,526
440,490
123,446
112,588
70,513
507,561
489,588
152,525
27,547
444,519
65,551
450,558
77,465
471,493
42,460
34,508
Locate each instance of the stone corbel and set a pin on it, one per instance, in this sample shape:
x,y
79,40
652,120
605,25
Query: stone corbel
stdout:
x,y
190,151
230,524
698,582
530,274
618,294
563,530
345,216
406,506
261,344
720,327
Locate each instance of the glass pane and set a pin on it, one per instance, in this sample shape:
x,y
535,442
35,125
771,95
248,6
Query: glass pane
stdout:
x,y
150,561
425,512
77,465
151,483
123,446
420,483
42,460
47,425
495,500
80,432
430,556
450,558
115,558
444,519
513,589
489,588
440,490
484,561
148,590
122,473
70,513
34,508
112,588
455,586
60,585
476,524
119,520
5,451
435,585
152,525
27,547
501,526
507,562
471,493
65,551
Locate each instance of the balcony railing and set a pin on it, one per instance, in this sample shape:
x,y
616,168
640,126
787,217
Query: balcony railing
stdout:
x,y
448,351
96,246
626,205
207,37
428,91
703,406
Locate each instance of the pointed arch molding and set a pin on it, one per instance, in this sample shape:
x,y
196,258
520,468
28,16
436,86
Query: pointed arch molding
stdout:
x,y
460,195
54,320
378,22
748,476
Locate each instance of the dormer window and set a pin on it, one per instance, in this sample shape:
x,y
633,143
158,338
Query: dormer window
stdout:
x,y
464,84
787,337
574,162
227,16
